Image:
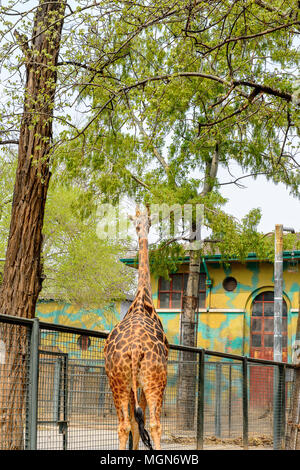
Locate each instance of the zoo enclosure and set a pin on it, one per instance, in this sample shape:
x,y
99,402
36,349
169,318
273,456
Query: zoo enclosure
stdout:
x,y
54,393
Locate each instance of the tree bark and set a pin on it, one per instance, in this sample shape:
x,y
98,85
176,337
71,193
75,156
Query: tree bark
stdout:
x,y
186,397
22,277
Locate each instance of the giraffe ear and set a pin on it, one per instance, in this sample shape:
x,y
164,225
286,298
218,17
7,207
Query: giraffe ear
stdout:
x,y
131,217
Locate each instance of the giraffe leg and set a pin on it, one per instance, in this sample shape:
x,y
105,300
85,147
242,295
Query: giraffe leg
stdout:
x,y
121,404
134,424
154,400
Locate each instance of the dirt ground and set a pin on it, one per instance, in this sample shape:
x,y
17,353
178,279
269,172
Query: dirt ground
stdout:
x,y
255,443
214,443
78,438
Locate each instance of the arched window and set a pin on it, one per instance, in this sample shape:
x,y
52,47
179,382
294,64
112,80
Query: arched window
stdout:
x,y
262,327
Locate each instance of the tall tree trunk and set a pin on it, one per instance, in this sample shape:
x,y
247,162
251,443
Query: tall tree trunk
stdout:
x,y
22,277
186,397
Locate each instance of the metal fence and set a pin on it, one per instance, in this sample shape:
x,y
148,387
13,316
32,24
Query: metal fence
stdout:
x,y
54,394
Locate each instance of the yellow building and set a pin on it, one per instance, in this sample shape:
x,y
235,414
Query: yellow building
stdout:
x,y
236,303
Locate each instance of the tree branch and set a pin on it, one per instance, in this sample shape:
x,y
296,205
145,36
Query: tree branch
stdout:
x,y
248,36
141,183
139,123
264,89
6,142
285,136
245,176
211,171
167,77
268,7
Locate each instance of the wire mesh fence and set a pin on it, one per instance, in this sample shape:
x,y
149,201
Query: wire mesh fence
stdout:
x,y
54,394
14,385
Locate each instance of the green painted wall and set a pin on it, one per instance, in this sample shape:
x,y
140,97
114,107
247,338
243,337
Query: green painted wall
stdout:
x,y
224,325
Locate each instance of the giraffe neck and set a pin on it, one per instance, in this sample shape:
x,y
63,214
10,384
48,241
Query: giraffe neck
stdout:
x,y
144,271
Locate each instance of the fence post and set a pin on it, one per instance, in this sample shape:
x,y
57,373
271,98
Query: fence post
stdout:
x,y
279,407
293,425
33,384
218,400
283,405
65,403
200,413
229,399
57,388
245,403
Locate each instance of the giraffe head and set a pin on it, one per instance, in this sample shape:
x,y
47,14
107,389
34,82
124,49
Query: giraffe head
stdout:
x,y
142,222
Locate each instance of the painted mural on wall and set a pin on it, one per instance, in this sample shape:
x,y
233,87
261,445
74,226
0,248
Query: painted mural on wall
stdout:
x,y
225,321
78,347
66,314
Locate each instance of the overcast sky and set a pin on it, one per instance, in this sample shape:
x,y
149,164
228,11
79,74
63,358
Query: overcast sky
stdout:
x,y
275,201
277,205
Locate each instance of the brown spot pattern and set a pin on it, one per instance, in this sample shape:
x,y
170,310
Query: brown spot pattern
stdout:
x,y
136,353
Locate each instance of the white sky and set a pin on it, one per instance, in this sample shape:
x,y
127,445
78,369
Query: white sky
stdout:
x,y
277,205
275,201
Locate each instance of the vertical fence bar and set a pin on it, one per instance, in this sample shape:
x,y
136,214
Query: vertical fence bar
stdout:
x,y
229,399
245,403
283,404
101,405
276,409
27,418
293,428
65,402
279,407
33,385
57,388
218,400
71,388
200,413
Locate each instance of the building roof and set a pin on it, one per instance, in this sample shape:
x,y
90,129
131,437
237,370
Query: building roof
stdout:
x,y
131,260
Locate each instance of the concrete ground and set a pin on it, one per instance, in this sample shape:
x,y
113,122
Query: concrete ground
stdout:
x,y
49,438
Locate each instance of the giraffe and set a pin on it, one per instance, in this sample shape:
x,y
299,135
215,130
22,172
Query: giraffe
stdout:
x,y
136,353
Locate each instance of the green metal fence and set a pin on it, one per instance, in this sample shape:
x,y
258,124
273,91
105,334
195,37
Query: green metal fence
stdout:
x,y
54,394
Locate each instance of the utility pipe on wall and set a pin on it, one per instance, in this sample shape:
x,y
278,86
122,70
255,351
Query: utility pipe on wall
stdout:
x,y
278,381
278,289
208,283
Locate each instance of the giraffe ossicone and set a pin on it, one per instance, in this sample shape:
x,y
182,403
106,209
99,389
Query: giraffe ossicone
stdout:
x,y
136,354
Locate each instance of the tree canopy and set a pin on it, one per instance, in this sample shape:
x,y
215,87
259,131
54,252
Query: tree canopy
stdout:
x,y
154,97
79,267
195,87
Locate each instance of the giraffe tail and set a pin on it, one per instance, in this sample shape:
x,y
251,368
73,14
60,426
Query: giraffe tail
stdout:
x,y
138,412
139,417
